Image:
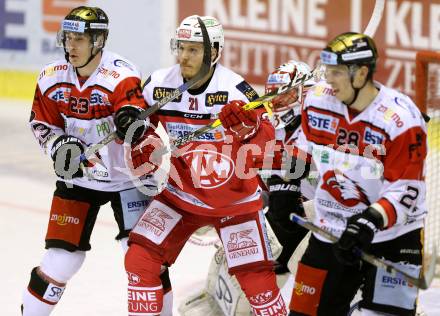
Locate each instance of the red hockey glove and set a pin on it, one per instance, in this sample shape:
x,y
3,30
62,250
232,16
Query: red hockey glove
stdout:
x,y
143,155
242,124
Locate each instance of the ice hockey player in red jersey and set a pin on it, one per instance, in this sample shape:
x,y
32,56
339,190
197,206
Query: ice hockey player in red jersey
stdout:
x,y
78,101
214,183
369,145
284,195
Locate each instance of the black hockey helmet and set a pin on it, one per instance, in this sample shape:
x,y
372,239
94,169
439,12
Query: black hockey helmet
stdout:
x,y
351,48
91,20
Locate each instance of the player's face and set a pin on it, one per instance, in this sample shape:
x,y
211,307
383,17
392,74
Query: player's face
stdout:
x,y
339,78
78,45
190,58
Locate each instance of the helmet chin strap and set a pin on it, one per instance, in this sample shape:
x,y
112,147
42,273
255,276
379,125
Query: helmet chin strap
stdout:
x,y
90,58
66,55
352,70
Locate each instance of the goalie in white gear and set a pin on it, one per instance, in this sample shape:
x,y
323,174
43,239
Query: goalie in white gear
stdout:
x,y
222,294
285,185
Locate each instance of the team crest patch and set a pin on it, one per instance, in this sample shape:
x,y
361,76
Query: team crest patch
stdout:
x,y
209,169
343,189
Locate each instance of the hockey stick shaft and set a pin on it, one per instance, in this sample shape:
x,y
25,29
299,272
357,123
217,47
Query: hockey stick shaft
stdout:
x,y
249,106
422,282
375,18
203,71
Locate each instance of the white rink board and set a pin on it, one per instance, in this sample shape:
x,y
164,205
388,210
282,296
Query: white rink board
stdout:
x,y
137,31
26,186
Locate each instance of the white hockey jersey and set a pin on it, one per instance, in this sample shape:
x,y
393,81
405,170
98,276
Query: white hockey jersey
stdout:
x,y
206,179
378,156
62,106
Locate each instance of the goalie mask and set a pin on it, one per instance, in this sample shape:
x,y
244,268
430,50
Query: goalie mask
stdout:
x,y
85,20
287,106
189,30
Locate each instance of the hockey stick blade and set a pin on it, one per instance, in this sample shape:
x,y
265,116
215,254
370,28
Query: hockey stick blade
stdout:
x,y
203,71
422,282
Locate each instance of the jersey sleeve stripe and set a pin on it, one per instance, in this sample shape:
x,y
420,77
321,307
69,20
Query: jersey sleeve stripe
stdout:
x,y
386,208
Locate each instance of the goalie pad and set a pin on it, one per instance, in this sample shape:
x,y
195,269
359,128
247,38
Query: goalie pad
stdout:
x,y
205,236
297,255
222,295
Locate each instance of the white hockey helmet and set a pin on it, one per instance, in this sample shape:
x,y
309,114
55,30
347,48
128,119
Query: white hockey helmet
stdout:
x,y
287,106
189,30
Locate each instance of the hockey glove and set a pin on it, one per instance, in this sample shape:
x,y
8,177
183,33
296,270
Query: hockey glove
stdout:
x,y
242,124
63,149
284,198
145,157
126,116
358,234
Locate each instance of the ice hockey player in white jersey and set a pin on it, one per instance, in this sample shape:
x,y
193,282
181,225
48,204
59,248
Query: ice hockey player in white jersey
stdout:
x,y
78,101
369,144
211,184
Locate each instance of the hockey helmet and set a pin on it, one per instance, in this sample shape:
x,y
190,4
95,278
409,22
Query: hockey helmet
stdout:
x,y
91,20
351,48
287,106
189,30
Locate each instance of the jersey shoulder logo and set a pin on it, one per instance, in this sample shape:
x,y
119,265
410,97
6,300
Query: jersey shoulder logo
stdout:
x,y
162,92
247,90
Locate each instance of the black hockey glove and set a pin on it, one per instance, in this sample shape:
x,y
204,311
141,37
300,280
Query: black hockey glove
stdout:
x,y
124,117
284,198
359,234
63,149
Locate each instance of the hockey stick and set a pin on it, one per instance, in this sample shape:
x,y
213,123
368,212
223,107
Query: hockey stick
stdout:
x,y
249,106
375,18
422,282
203,71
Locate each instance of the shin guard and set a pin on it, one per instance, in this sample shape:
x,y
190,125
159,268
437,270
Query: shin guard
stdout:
x,y
40,296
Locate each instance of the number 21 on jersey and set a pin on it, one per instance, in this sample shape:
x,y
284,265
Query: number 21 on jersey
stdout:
x,y
193,104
